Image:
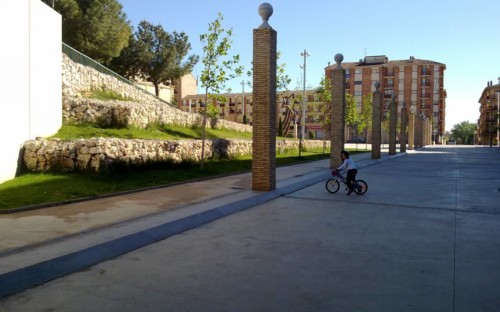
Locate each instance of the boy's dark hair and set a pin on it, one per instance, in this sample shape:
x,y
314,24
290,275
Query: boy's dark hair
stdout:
x,y
346,153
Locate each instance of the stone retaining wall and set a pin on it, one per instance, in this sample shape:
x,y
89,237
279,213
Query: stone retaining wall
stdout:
x,y
100,155
124,113
78,79
145,109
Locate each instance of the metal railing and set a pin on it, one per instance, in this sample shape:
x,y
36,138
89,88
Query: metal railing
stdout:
x,y
81,58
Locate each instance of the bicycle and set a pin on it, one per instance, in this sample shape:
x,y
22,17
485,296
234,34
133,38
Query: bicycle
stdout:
x,y
333,184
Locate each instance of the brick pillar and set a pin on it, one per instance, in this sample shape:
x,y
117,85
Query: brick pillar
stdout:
x,y
429,133
411,130
418,131
376,122
393,121
264,104
402,134
337,116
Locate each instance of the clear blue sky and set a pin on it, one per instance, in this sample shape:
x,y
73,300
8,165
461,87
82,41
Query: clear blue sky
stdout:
x,y
463,34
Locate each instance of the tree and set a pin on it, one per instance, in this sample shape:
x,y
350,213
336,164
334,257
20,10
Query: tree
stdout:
x,y
365,120
351,112
463,133
218,66
280,127
282,79
97,28
325,97
156,56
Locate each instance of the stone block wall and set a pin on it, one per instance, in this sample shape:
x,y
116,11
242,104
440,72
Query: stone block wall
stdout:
x,y
107,113
78,78
101,154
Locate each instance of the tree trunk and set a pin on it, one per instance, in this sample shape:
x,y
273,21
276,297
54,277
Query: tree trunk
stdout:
x,y
157,88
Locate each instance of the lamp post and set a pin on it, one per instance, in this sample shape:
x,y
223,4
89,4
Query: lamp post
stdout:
x,y
497,93
243,82
303,121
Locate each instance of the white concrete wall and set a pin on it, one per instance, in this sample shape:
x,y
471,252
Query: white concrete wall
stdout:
x,y
30,82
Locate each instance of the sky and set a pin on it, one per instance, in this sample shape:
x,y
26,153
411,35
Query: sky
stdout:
x,y
463,34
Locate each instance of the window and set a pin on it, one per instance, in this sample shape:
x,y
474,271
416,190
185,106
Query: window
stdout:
x,y
358,82
358,93
358,71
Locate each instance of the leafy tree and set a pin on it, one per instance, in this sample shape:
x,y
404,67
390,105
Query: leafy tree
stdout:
x,y
156,56
97,28
365,120
218,66
325,98
351,112
463,133
282,79
280,127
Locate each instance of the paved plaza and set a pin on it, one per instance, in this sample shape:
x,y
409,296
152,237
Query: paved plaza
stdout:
x,y
425,237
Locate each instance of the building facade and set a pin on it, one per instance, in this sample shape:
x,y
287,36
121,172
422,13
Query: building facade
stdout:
x,y
417,83
172,93
487,132
238,108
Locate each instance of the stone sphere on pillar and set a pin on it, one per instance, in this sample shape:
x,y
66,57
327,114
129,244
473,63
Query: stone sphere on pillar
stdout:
x,y
338,59
265,11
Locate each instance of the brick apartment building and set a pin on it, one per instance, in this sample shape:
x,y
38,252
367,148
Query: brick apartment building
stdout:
x,y
288,106
488,123
414,81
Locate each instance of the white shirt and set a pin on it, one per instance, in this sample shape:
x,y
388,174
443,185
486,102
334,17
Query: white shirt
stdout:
x,y
347,164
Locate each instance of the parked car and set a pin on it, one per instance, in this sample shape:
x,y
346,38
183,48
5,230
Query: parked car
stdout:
x,y
356,140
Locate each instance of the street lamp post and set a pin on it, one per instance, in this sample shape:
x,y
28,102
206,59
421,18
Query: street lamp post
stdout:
x,y
243,82
497,93
303,121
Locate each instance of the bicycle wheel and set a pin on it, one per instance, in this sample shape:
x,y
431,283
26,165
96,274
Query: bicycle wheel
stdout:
x,y
332,185
361,187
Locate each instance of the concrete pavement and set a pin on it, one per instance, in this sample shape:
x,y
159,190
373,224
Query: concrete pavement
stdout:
x,y
424,237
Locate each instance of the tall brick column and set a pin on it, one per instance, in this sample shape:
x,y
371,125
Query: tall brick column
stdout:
x,y
393,121
418,130
411,129
428,132
376,121
337,116
402,134
264,104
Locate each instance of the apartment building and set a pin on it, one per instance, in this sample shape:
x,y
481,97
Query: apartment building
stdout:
x,y
238,108
487,132
418,83
171,93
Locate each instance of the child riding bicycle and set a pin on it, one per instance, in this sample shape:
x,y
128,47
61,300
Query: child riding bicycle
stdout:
x,y
352,170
